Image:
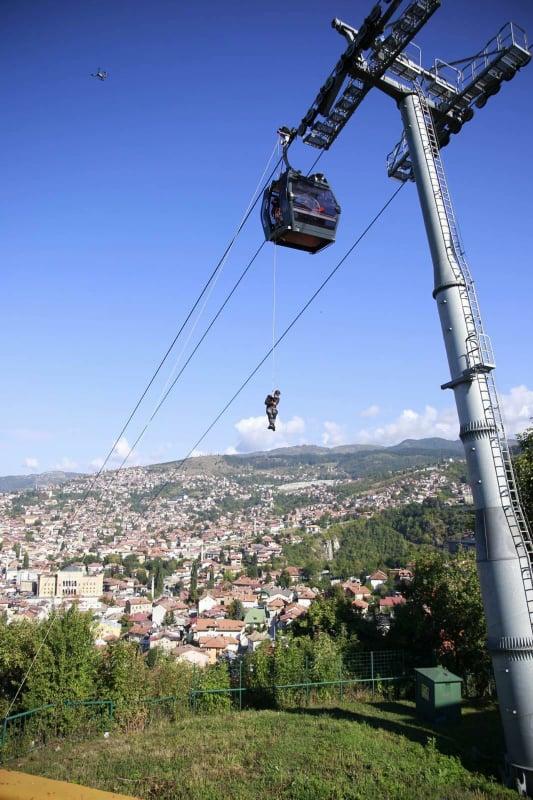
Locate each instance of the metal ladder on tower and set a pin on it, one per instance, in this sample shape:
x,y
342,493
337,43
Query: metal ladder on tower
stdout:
x,y
479,351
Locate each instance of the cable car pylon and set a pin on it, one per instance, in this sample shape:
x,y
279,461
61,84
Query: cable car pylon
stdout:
x,y
434,104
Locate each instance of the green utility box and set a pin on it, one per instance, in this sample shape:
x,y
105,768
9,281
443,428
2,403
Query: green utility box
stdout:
x,y
438,694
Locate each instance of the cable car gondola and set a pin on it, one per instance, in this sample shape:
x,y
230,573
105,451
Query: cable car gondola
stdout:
x,y
300,211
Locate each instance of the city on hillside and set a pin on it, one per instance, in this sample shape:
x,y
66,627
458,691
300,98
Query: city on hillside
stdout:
x,y
214,566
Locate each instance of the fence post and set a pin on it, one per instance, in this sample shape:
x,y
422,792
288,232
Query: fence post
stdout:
x,y
4,732
308,688
341,686
372,670
240,684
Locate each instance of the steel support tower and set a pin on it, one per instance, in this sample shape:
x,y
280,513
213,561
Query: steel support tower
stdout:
x,y
434,104
503,542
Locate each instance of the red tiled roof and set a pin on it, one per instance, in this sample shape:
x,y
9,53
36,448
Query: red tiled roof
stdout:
x,y
229,625
216,642
140,616
390,602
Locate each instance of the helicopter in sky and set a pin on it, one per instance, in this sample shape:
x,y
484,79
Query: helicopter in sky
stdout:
x,y
101,74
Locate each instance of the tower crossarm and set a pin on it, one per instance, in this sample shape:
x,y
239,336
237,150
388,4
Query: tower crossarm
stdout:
x,y
454,93
371,50
482,75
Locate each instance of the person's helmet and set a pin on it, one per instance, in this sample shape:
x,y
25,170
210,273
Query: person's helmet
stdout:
x,y
277,392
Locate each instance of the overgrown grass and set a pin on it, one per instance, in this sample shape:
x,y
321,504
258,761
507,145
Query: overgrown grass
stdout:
x,y
344,751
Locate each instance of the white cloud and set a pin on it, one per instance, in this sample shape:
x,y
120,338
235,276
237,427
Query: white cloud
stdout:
x,y
371,411
120,452
517,408
30,463
66,464
122,449
123,452
333,435
254,434
412,424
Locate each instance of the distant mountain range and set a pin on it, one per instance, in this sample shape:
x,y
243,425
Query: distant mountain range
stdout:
x,y
16,483
430,445
353,460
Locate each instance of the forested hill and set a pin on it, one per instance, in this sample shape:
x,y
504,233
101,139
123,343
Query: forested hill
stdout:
x,y
346,461
17,483
390,538
352,461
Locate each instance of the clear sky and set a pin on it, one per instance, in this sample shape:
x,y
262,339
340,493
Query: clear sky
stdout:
x,y
118,197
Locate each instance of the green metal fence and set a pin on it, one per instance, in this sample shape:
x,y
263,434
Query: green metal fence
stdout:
x,y
32,729
28,730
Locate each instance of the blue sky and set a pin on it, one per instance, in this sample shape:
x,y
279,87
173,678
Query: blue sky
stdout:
x,y
117,198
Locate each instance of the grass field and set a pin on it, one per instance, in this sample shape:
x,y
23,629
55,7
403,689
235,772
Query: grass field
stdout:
x,y
346,751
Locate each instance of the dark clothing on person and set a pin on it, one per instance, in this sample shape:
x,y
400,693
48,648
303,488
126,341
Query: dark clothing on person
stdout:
x,y
271,404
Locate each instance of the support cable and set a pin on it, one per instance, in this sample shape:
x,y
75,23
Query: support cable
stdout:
x,y
166,391
260,187
315,162
278,340
191,355
193,308
234,396
251,206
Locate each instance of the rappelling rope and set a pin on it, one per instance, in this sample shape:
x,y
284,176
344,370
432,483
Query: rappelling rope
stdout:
x,y
175,339
274,265
279,339
172,377
70,520
258,189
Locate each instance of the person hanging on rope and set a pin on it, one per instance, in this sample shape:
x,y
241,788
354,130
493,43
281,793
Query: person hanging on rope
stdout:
x,y
271,404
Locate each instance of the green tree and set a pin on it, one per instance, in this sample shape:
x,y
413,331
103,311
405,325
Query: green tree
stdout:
x,y
524,471
17,550
159,578
252,569
66,665
326,659
123,677
193,589
258,671
284,580
321,617
211,580
169,678
290,666
169,618
236,610
142,576
131,563
154,656
444,616
18,644
215,676
26,560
